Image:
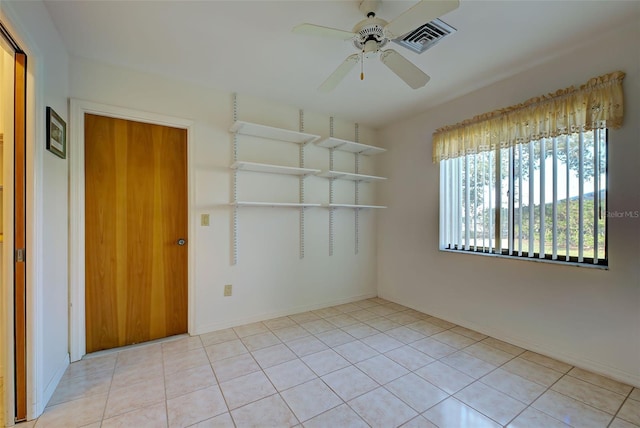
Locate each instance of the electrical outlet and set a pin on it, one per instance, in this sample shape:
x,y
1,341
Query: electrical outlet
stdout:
x,y
204,220
228,289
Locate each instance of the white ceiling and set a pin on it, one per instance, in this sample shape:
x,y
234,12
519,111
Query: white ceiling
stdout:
x,y
248,47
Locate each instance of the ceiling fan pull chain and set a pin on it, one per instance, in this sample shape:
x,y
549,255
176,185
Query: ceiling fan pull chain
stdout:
x,y
362,66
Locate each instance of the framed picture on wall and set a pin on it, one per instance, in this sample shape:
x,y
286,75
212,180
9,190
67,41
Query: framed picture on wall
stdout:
x,y
56,134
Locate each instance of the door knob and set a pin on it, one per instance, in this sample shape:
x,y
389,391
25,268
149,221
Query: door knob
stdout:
x,y
181,241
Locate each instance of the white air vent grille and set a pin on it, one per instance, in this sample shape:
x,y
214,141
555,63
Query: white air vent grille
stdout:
x,y
425,36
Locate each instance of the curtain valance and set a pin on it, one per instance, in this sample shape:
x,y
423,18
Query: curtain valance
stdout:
x,y
596,104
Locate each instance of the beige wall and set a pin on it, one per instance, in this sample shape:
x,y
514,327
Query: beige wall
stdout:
x,y
587,317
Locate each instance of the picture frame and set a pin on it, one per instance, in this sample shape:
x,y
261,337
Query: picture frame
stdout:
x,y
56,134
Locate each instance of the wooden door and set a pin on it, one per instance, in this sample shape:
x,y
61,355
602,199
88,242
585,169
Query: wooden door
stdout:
x,y
135,214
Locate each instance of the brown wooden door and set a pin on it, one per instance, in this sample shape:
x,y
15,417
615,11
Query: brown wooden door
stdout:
x,y
135,213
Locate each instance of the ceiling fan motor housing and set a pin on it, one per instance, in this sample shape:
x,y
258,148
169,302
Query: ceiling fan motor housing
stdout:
x,y
370,35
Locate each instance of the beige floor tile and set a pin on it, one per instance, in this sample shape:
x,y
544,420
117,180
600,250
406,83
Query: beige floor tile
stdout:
x,y
383,310
532,418
593,395
453,413
546,361
132,397
416,392
140,356
630,411
621,423
271,411
349,382
289,374
324,362
224,350
441,323
233,367
503,346
472,334
250,329
152,416
444,377
273,355
425,327
405,334
90,366
304,317
635,394
326,312
570,411
221,421
408,357
276,323
532,371
181,345
380,408
403,318
367,303
219,336
490,402
128,375
183,382
433,348
360,330
382,342
382,324
452,339
294,332
341,416
395,306
348,307
468,364
306,345
342,320
513,385
195,407
356,351
382,369
363,315
602,381
79,387
418,422
176,362
260,340
317,326
335,337
310,399
488,353
66,415
246,389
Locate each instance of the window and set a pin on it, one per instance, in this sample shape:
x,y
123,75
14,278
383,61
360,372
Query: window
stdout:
x,y
545,199
530,180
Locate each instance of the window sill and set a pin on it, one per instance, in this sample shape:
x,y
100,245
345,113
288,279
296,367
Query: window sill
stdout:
x,y
527,259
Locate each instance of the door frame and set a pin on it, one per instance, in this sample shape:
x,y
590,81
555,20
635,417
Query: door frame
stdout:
x,y
77,333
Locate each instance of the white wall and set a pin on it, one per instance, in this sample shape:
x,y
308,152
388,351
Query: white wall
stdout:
x,y
47,202
587,317
269,278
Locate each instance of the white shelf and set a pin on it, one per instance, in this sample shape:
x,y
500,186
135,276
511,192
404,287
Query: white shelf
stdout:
x,y
273,204
352,206
350,146
349,176
256,130
274,169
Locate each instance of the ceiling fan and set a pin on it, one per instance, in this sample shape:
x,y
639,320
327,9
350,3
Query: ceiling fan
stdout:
x,y
372,33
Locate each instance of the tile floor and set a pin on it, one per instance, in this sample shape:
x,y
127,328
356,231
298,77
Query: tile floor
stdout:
x,y
369,363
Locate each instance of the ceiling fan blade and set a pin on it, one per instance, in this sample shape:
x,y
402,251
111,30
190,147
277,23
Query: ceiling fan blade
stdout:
x,y
340,73
318,30
408,72
423,12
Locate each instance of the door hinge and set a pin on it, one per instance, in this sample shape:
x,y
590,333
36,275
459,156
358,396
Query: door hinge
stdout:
x,y
20,255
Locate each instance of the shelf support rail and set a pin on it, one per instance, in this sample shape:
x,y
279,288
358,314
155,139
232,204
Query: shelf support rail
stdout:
x,y
357,195
331,180
234,188
302,177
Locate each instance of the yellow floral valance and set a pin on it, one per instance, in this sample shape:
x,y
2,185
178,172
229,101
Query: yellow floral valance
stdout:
x,y
596,104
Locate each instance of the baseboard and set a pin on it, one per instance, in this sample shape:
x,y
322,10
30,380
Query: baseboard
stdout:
x,y
208,328
580,361
52,385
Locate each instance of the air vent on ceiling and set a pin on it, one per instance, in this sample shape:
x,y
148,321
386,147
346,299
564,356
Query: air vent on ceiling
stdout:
x,y
425,36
